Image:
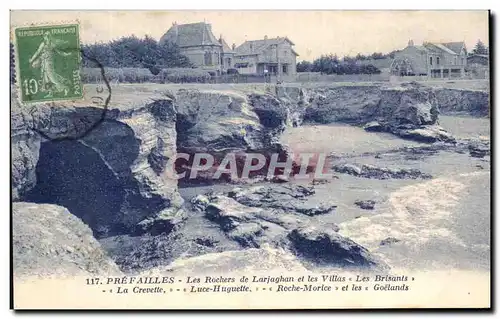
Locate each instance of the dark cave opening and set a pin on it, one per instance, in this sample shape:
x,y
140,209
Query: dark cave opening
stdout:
x,y
73,175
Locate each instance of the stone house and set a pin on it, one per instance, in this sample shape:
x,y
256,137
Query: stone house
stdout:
x,y
197,42
274,56
436,60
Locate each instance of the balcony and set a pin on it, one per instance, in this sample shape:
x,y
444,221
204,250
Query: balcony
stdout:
x,y
446,66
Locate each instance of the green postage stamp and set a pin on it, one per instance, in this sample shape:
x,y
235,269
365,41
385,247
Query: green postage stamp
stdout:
x,y
48,63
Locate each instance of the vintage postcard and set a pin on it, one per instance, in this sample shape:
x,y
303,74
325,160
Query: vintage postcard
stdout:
x,y
221,160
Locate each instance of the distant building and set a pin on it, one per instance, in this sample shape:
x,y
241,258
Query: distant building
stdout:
x,y
227,55
478,59
478,66
197,42
272,56
437,60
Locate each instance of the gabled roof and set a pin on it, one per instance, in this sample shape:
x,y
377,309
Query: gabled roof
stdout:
x,y
258,46
192,34
442,47
225,46
455,46
410,63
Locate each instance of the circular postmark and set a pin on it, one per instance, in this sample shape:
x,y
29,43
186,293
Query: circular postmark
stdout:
x,y
72,120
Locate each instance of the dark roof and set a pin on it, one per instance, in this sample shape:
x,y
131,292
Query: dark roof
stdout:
x,y
455,46
192,34
448,47
257,46
478,55
478,58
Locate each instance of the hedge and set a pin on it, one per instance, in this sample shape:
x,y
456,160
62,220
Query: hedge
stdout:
x,y
142,75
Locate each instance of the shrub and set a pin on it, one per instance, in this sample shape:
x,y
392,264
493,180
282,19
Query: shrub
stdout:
x,y
121,75
184,75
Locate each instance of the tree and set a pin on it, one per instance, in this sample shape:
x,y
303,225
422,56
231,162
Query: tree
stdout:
x,y
378,56
480,48
134,52
330,64
361,57
304,66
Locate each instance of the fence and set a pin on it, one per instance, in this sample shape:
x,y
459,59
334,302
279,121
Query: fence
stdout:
x,y
318,77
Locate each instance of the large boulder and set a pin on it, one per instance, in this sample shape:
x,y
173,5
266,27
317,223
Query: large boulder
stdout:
x,y
219,123
348,104
25,151
413,105
479,148
248,226
107,166
326,246
47,240
426,134
286,197
471,102
375,172
261,215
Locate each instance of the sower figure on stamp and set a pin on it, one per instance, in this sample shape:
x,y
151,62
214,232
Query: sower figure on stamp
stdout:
x,y
44,58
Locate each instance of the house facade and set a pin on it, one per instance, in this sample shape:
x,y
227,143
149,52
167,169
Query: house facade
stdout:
x,y
435,60
478,66
274,56
197,42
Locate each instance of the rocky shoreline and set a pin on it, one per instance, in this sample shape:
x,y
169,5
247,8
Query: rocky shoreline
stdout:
x,y
120,199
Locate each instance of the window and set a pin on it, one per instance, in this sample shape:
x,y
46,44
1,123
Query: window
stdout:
x,y
430,60
285,69
437,61
241,65
208,58
455,61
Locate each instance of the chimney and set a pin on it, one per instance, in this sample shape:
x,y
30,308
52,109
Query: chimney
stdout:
x,y
176,28
410,43
265,37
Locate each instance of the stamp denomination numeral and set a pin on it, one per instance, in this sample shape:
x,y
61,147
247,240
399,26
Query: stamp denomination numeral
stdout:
x,y
30,86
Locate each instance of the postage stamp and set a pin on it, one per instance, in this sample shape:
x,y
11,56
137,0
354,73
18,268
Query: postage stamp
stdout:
x,y
217,163
48,63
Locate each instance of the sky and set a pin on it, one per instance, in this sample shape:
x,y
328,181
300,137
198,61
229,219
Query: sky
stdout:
x,y
313,32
